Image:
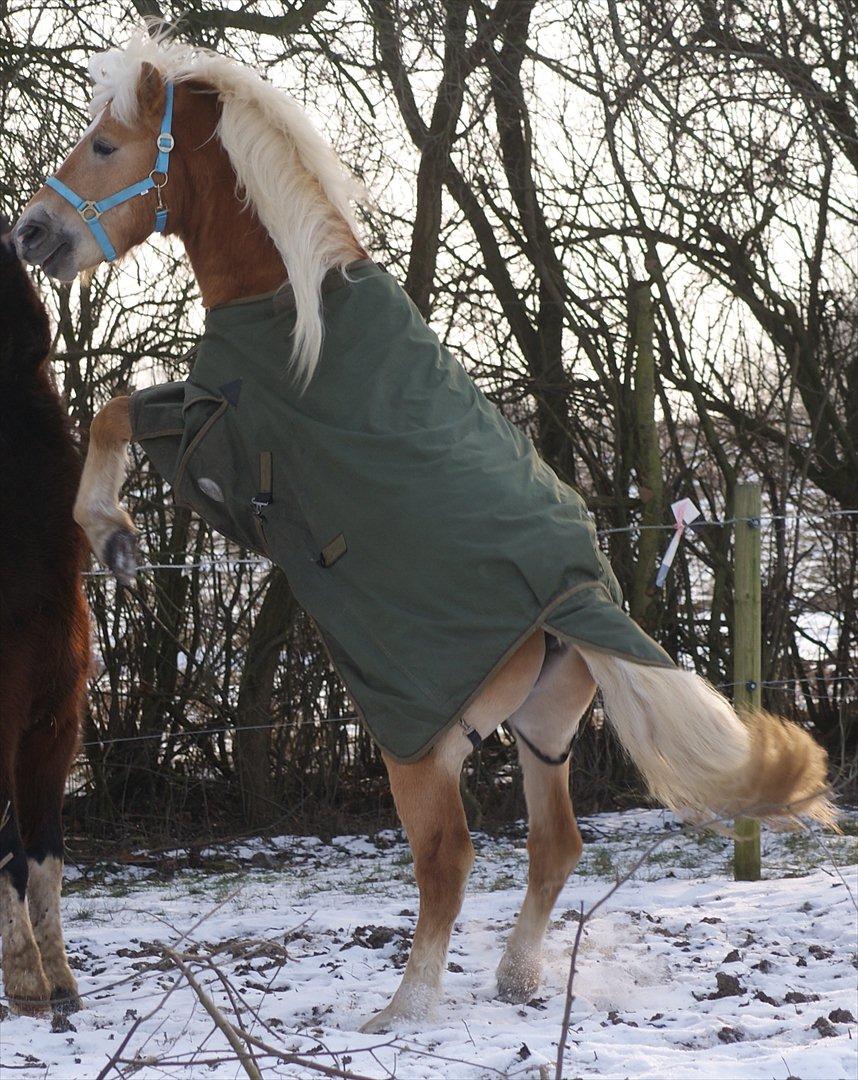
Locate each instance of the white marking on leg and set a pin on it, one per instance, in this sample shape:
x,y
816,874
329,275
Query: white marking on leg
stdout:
x,y
43,896
23,976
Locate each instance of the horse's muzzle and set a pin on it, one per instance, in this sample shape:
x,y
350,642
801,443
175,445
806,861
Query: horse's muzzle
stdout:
x,y
41,241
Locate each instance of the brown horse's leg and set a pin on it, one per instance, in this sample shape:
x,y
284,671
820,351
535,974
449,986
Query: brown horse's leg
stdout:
x,y
548,719
429,803
44,761
108,528
23,976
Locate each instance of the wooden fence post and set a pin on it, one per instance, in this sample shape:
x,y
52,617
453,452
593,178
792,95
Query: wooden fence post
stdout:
x,y
644,601
747,651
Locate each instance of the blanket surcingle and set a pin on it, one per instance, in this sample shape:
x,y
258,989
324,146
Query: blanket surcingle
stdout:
x,y
417,526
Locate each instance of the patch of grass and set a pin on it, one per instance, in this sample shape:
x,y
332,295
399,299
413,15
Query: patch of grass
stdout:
x,y
849,855
600,862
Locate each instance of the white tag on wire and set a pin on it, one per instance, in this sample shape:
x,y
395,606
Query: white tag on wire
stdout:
x,y
684,511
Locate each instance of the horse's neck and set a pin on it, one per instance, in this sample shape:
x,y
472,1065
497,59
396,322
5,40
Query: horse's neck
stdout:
x,y
230,251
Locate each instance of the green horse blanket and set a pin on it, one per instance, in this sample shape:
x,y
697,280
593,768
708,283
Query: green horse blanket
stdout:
x,y
416,525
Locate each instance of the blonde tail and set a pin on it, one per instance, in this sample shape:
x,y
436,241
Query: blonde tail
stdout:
x,y
698,756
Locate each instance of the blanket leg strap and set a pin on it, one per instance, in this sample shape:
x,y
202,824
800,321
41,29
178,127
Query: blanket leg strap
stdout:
x,y
546,759
473,735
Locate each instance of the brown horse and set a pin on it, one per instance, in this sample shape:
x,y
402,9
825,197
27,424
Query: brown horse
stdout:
x,y
256,197
44,645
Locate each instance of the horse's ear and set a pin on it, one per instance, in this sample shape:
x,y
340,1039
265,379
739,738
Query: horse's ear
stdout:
x,y
150,91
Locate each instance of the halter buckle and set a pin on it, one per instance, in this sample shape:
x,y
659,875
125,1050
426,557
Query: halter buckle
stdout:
x,y
89,211
165,142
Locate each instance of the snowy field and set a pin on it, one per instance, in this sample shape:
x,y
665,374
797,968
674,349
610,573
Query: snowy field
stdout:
x,y
682,974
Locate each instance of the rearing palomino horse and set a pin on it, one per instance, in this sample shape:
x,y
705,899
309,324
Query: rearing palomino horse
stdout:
x,y
455,581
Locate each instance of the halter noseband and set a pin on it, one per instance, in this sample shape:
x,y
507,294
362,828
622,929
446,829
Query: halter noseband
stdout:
x,y
157,179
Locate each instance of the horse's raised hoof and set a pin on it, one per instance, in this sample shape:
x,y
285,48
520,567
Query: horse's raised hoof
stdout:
x,y
65,1000
518,978
121,555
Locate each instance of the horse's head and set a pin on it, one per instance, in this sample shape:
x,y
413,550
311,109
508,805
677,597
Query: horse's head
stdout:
x,y
254,192
67,228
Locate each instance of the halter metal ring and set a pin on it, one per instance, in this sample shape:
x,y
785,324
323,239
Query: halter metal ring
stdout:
x,y
89,211
165,142
158,183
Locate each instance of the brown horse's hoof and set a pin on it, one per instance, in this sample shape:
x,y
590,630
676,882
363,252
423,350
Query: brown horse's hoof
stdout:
x,y
120,555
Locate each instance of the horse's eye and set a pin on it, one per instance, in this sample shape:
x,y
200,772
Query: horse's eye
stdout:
x,y
103,149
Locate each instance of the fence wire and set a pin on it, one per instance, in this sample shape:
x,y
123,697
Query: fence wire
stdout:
x,y
353,718
692,527
218,563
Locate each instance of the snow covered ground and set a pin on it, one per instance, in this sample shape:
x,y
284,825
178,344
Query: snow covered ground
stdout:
x,y
683,974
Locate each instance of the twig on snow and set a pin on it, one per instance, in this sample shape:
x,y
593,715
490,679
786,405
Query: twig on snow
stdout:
x,y
229,1032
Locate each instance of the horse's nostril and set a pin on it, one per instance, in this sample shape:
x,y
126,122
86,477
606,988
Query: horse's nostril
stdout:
x,y
31,233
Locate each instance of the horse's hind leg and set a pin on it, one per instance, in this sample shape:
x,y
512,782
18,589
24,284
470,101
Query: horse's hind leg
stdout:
x,y
46,756
429,802
548,719
430,807
108,527
23,976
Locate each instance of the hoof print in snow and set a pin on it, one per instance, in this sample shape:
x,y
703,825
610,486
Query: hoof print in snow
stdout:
x,y
761,996
524,1052
730,1035
825,1028
765,966
796,997
841,1016
732,957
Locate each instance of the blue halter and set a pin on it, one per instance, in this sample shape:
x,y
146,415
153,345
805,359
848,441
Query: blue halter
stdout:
x,y
157,179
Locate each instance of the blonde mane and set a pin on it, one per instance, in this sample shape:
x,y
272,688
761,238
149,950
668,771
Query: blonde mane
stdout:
x,y
284,169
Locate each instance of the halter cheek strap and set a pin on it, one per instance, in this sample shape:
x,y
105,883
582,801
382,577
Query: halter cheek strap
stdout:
x,y
91,211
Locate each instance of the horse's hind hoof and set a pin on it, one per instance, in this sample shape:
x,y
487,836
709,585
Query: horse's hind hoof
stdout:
x,y
65,1000
120,555
518,978
383,1022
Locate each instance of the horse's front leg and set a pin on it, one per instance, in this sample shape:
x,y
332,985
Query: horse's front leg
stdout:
x,y
108,528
